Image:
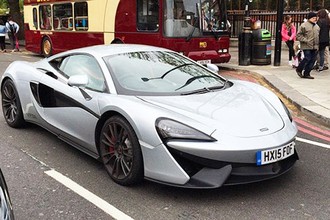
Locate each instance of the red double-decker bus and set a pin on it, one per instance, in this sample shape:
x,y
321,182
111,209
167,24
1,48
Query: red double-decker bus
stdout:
x,y
196,28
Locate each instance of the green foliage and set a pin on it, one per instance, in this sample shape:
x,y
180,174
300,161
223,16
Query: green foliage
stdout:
x,y
4,5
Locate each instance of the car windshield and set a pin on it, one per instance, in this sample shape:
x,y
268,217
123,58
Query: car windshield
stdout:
x,y
159,73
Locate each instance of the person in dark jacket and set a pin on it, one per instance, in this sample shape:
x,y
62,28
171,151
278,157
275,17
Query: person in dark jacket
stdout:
x,y
323,22
308,35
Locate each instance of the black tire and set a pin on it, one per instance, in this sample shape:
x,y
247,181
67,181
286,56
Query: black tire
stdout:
x,y
120,152
11,105
117,41
47,47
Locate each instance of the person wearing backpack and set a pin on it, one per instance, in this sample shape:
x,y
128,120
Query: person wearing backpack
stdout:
x,y
13,29
3,32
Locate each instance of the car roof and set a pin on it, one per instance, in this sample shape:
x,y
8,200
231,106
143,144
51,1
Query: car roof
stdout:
x,y
111,49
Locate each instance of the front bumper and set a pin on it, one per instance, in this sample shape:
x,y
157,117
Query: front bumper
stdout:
x,y
208,174
212,55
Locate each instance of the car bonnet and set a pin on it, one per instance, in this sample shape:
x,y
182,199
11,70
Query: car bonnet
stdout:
x,y
237,111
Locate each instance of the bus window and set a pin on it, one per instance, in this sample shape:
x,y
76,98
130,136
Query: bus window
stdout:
x,y
35,17
195,18
81,16
213,19
181,18
45,17
62,17
147,15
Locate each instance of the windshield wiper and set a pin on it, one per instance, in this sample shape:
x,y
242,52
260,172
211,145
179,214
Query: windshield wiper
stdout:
x,y
193,30
215,35
193,79
197,91
204,90
167,72
191,34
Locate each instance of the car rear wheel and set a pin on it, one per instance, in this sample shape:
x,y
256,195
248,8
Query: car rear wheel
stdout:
x,y
47,47
11,105
120,151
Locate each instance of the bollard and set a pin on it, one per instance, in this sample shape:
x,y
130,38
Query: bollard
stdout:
x,y
244,47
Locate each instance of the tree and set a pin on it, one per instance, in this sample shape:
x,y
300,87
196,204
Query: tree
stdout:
x,y
15,12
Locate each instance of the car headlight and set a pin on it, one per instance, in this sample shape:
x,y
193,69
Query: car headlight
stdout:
x,y
286,110
168,129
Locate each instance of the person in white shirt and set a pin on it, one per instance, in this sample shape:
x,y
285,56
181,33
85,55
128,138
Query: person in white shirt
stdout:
x,y
13,29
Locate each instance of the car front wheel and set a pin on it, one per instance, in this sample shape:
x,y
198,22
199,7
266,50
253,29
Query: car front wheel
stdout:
x,y
120,151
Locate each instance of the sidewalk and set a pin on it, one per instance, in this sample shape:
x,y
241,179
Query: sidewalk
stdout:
x,y
311,96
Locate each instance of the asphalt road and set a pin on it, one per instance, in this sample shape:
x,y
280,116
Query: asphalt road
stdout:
x,y
28,154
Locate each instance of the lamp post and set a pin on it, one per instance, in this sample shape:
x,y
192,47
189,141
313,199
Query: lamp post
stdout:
x,y
278,39
245,38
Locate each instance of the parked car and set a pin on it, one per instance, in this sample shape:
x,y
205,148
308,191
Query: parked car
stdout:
x,y
6,210
151,113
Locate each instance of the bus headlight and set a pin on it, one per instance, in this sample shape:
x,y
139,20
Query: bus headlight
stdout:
x,y
223,51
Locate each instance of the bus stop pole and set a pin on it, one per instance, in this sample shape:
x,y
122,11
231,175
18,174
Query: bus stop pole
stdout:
x,y
278,39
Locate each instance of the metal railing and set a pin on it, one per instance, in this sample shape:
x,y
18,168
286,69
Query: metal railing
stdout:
x,y
267,18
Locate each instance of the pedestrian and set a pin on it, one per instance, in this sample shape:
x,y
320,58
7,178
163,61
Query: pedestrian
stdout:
x,y
323,22
13,29
3,32
289,35
308,35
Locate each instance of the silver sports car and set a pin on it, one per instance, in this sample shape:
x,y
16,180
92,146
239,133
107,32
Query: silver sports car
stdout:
x,y
151,113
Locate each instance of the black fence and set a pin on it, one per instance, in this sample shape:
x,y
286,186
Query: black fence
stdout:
x,y
267,18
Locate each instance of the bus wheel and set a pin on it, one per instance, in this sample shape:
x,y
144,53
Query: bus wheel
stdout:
x,y
117,41
46,47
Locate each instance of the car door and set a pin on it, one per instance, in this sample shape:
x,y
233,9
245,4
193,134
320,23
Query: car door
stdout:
x,y
69,111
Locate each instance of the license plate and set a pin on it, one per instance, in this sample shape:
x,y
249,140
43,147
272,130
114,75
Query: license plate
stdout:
x,y
203,62
276,154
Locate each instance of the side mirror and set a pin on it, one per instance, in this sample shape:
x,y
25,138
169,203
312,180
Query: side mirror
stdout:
x,y
214,68
78,81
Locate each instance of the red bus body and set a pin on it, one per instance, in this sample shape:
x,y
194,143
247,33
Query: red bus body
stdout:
x,y
211,46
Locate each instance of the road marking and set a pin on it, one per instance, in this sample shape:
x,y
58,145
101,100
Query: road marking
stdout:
x,y
308,125
312,130
313,142
306,131
89,196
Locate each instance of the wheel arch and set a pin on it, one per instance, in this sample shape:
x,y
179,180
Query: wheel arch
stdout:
x,y
4,80
101,122
117,41
19,121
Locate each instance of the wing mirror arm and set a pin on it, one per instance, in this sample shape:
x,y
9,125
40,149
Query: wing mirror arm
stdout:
x,y
80,81
84,93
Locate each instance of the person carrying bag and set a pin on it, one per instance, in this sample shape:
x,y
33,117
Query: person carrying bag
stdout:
x,y
13,29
